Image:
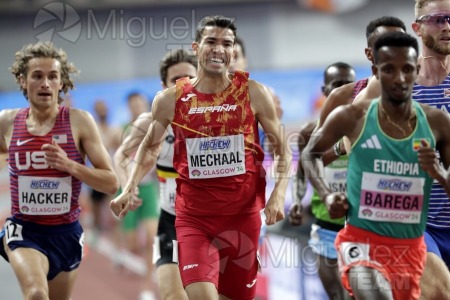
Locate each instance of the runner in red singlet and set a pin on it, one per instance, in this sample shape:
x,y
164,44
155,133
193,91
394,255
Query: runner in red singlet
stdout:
x,y
221,183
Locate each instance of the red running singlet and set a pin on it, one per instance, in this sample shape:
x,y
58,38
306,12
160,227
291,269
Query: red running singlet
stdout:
x,y
39,193
216,152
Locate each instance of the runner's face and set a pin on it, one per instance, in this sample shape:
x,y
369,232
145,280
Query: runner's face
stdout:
x,y
43,81
180,70
397,70
337,77
215,50
435,34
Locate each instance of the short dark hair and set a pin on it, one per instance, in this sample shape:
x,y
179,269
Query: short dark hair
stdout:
x,y
394,39
172,58
383,21
240,42
217,21
338,65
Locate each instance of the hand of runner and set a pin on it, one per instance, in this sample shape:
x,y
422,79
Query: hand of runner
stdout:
x,y
336,204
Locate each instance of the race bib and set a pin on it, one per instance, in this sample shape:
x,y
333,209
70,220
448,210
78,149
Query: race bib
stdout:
x,y
389,198
337,179
353,252
167,194
213,157
45,195
13,232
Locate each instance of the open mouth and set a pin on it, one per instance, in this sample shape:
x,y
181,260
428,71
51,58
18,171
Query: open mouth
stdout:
x,y
216,60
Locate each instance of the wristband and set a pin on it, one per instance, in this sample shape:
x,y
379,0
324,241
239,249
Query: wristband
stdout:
x,y
337,149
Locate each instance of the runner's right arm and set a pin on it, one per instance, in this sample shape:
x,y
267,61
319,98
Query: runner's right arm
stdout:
x,y
148,151
126,151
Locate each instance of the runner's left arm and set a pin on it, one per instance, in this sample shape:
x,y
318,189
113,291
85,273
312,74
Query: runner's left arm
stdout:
x,y
264,109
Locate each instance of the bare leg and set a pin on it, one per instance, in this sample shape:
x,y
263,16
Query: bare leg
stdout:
x,y
331,278
202,290
435,281
31,268
369,284
62,285
169,282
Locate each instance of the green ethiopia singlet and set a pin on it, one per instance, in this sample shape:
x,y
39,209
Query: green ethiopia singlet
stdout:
x,y
335,175
387,189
